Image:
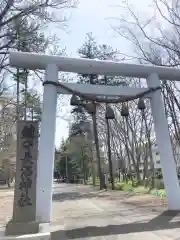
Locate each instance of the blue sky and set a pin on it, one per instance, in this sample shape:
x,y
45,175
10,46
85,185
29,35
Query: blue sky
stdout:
x,y
91,16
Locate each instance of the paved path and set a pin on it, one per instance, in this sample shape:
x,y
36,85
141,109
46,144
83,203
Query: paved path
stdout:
x,y
79,212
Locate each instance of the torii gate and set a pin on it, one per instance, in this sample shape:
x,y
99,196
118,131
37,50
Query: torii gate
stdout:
x,y
52,65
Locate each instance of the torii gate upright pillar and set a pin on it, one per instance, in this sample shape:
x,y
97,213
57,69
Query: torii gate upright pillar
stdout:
x,y
45,165
164,145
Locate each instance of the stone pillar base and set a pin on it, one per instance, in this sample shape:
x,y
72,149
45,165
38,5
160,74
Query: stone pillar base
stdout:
x,y
20,228
35,236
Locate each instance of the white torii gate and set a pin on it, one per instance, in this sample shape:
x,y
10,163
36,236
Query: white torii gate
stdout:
x,y
52,65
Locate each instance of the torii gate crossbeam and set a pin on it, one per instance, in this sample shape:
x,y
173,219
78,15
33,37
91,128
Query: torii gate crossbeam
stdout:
x,y
52,65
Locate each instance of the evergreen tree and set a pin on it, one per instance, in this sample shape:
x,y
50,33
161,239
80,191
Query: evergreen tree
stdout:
x,y
72,158
33,106
29,39
92,50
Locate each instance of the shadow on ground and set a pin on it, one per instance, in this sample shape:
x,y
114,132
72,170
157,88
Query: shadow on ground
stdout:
x,y
91,193
67,196
160,222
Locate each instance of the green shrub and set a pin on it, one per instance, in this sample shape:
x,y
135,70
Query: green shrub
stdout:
x,y
119,186
159,184
122,186
158,192
128,187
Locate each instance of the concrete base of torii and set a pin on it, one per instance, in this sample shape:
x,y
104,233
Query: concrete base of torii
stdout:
x,y
16,228
37,236
43,234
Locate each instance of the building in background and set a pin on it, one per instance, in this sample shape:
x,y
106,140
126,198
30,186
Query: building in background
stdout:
x,y
143,159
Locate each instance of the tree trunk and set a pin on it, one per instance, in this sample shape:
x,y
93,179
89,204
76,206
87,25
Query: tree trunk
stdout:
x,y
109,154
97,149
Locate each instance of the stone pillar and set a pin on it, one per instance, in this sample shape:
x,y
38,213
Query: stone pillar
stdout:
x,y
24,208
164,144
47,148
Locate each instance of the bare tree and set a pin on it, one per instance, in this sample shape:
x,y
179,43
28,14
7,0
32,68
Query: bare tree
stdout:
x,y
14,12
156,41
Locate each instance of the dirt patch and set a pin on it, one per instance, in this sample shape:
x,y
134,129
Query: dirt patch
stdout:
x,y
147,201
141,201
6,208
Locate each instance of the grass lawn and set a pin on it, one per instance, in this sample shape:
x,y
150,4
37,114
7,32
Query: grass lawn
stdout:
x,y
139,189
